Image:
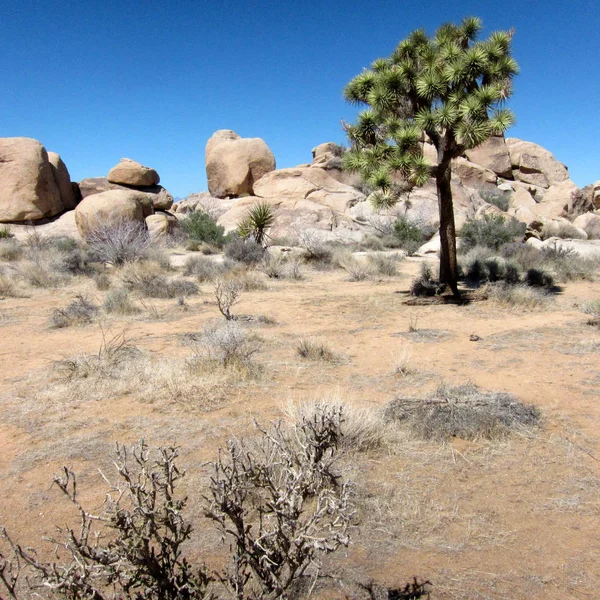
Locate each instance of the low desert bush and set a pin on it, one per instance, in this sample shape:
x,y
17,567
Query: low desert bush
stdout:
x,y
118,243
147,279
226,344
424,285
311,349
102,281
200,228
592,308
8,288
517,296
490,231
11,250
79,312
464,411
42,274
205,269
281,267
243,251
539,278
384,264
227,294
358,270
6,232
562,230
119,302
316,250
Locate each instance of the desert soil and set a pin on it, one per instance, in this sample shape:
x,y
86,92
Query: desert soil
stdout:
x,y
515,518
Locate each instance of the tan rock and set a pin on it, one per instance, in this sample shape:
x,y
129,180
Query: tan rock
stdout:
x,y
534,164
493,155
562,228
109,209
28,191
312,183
234,164
158,196
130,172
473,175
488,210
63,181
590,223
557,201
160,225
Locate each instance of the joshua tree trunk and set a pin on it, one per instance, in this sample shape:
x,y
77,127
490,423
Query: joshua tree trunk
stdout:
x,y
448,266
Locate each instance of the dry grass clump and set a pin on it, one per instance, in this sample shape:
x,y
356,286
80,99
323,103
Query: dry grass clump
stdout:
x,y
310,349
521,296
102,281
148,280
205,269
384,264
362,427
358,270
281,267
8,288
119,302
464,411
593,310
11,250
80,312
118,243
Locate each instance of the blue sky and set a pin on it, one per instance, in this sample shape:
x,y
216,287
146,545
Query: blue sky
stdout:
x,y
152,80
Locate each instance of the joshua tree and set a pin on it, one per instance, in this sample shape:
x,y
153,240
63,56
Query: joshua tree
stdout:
x,y
450,89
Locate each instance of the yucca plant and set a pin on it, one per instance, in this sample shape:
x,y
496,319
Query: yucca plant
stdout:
x,y
256,223
450,88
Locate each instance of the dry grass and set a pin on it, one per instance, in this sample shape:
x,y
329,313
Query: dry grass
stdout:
x,y
358,270
521,297
119,302
464,411
205,269
311,349
362,427
149,281
79,312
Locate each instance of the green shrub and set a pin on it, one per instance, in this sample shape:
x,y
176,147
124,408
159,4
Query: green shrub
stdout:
x,y
409,235
491,231
201,227
6,232
496,198
256,223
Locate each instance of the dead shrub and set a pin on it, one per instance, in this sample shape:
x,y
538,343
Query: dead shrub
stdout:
x,y
358,270
8,289
520,296
11,250
117,243
80,312
227,294
281,267
205,269
464,411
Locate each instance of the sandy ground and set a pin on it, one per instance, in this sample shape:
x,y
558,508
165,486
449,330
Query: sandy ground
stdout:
x,y
518,518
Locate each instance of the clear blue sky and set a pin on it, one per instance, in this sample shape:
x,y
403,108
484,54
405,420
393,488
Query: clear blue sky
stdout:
x,y
152,80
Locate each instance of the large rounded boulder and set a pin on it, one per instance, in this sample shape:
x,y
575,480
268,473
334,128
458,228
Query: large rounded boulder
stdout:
x,y
110,208
62,179
534,164
28,191
130,172
234,163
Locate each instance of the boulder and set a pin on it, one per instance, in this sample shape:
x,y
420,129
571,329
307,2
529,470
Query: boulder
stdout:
x,y
473,175
596,195
590,223
234,164
493,155
160,225
558,200
28,191
62,226
328,156
559,227
158,196
533,164
312,183
130,172
584,248
489,210
521,198
109,209
62,179
203,202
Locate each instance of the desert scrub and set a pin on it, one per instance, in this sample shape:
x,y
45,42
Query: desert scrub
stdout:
x,y
79,312
281,267
205,269
425,284
148,280
357,269
519,296
118,243
11,250
464,411
497,198
385,264
490,231
245,251
310,349
119,302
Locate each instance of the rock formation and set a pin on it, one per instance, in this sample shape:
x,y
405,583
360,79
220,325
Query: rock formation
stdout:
x,y
234,164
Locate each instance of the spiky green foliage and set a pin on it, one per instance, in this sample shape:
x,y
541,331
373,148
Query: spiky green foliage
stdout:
x,y
256,223
449,88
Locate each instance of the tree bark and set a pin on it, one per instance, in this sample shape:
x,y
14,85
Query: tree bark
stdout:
x,y
448,264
